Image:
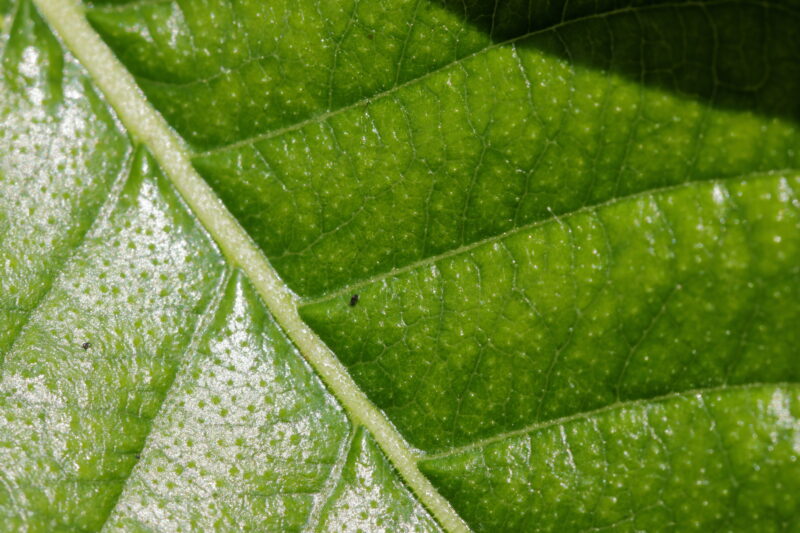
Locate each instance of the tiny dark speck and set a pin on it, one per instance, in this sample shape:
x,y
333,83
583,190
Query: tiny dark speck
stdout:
x,y
138,456
353,300
86,345
370,36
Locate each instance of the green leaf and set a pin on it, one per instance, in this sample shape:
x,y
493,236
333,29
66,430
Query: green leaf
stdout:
x,y
399,266
713,459
144,385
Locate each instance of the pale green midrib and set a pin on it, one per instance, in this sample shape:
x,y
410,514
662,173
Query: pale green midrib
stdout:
x,y
600,410
350,288
102,214
321,117
67,19
202,326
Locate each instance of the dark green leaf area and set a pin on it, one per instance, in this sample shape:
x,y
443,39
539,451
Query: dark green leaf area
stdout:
x,y
586,112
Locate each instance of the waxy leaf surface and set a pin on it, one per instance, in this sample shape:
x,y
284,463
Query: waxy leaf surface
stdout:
x,y
553,248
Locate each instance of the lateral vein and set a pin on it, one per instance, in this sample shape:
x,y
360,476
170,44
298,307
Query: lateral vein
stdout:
x,y
623,404
102,214
66,17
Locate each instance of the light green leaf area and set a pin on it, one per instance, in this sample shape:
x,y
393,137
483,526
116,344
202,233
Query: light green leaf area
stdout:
x,y
74,418
250,440
714,460
144,385
632,300
544,257
48,107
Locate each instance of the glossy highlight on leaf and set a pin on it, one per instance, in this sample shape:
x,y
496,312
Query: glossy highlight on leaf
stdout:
x,y
407,265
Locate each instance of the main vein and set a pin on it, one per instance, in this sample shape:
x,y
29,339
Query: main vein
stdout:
x,y
147,126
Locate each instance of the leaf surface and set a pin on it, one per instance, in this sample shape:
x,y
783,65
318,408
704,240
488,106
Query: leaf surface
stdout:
x,y
131,342
539,266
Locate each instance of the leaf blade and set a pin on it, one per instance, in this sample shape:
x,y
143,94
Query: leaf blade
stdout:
x,y
502,139
634,299
59,398
716,458
250,438
671,254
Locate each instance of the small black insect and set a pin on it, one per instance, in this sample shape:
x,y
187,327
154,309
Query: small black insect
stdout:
x,y
353,300
86,345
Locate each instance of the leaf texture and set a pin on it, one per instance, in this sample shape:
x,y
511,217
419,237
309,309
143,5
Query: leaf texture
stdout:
x,y
130,306
554,248
713,458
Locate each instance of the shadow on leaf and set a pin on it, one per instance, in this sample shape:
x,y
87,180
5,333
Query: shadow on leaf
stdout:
x,y
736,55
